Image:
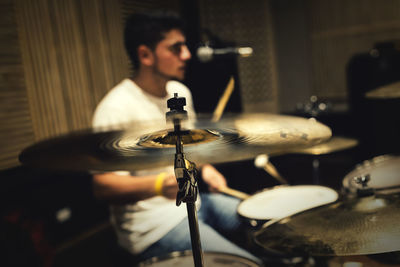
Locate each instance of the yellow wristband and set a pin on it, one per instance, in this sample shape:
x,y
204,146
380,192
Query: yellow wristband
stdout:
x,y
159,183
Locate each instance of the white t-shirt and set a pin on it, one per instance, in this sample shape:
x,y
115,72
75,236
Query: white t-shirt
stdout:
x,y
141,224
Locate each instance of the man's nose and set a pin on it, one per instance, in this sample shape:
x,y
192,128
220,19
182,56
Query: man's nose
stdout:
x,y
185,53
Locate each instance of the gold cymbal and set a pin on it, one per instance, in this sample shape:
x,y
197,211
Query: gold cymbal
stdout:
x,y
336,143
142,147
385,92
357,226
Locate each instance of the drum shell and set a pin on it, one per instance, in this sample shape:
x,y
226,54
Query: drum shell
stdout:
x,y
185,258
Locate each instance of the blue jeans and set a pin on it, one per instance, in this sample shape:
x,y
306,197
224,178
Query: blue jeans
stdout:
x,y
217,217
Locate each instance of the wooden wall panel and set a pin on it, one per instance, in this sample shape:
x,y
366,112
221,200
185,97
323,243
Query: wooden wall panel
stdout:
x,y
69,45
15,119
73,70
41,68
59,59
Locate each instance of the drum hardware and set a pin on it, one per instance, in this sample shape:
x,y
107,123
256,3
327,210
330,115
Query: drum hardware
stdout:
x,y
383,173
141,148
358,226
186,176
390,91
315,167
364,190
336,143
314,108
262,161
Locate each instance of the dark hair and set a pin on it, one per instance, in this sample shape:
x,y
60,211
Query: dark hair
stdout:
x,y
148,29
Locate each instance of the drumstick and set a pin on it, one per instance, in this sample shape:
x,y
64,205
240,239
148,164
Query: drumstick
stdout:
x,y
216,116
263,162
232,192
223,100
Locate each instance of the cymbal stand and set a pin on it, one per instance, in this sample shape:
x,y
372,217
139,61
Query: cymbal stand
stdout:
x,y
315,168
186,175
313,109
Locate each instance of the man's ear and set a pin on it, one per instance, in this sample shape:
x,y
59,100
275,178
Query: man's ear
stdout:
x,y
145,55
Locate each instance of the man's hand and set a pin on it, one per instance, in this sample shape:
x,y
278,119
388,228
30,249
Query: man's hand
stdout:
x,y
170,187
213,178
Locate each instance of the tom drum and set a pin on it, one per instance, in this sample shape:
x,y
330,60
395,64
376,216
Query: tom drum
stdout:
x,y
283,201
214,259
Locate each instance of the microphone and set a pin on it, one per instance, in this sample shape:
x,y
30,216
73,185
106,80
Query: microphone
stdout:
x,y
206,53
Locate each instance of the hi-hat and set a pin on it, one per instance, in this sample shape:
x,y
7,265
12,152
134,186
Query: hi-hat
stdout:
x,y
358,226
385,92
140,147
336,143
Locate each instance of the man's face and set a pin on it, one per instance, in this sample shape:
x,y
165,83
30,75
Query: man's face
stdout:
x,y
171,55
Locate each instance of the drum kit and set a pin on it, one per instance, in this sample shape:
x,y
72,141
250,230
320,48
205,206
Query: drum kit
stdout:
x,y
304,220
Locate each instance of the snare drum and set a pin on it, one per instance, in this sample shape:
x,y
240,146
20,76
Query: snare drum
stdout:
x,y
384,172
185,258
283,201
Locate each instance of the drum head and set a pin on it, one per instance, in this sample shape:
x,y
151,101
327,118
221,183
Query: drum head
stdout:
x,y
283,201
384,172
214,259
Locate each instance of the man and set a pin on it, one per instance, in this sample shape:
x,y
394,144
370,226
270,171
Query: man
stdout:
x,y
147,221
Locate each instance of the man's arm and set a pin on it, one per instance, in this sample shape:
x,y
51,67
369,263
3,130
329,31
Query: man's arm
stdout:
x,y
213,178
123,189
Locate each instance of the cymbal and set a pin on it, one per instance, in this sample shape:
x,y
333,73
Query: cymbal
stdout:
x,y
138,147
336,143
357,226
383,171
385,92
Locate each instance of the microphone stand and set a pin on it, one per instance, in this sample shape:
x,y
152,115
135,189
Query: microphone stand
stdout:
x,y
186,175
